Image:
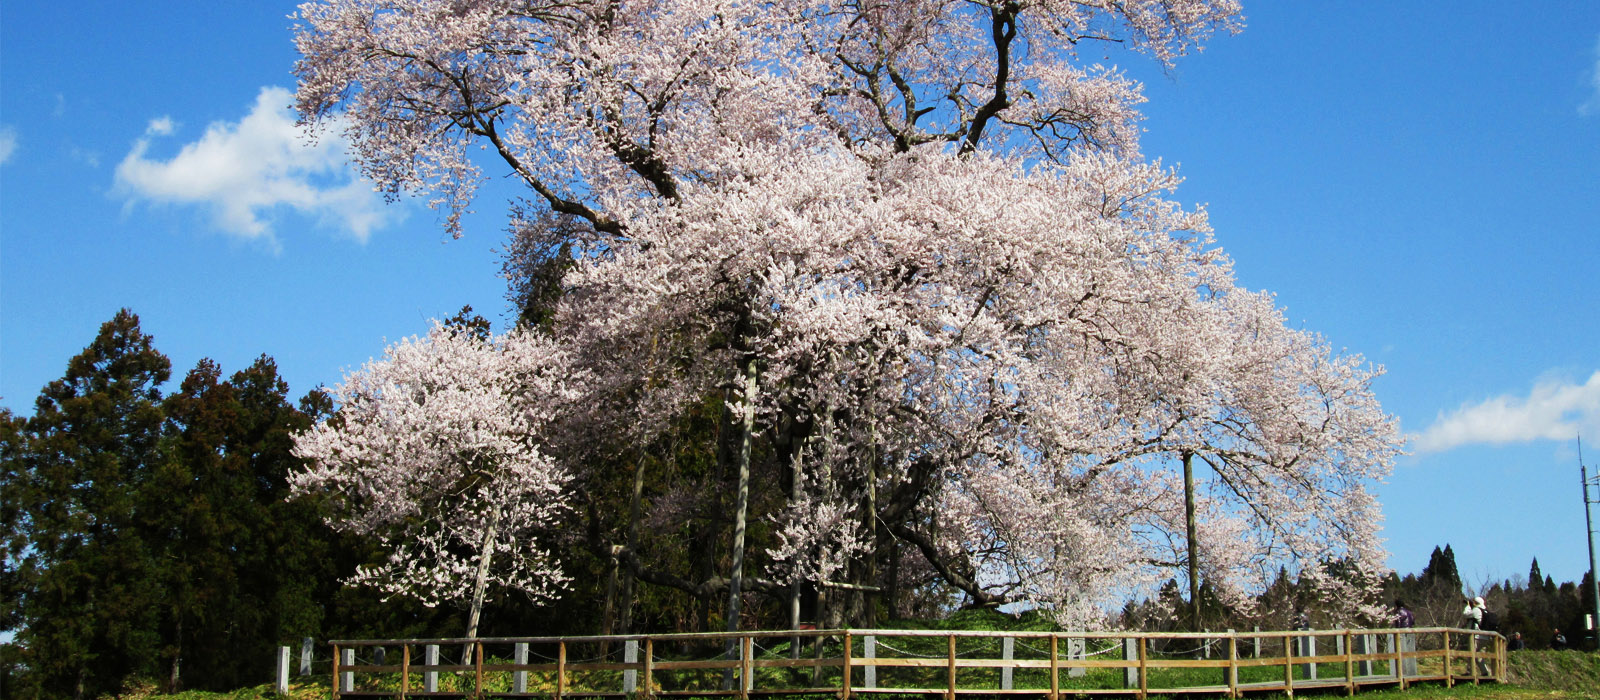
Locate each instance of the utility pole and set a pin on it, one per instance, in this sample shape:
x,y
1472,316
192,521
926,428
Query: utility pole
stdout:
x,y
1588,535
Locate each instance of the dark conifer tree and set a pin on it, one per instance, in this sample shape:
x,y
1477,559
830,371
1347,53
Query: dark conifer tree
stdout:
x,y
87,581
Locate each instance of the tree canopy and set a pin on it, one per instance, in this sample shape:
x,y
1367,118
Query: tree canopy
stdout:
x,y
950,327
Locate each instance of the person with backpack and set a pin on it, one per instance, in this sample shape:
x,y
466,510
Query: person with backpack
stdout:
x,y
1473,613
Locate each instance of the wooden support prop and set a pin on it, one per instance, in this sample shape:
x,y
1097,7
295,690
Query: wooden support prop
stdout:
x,y
561,669
335,672
405,670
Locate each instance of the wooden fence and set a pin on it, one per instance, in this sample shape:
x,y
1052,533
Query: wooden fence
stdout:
x,y
846,663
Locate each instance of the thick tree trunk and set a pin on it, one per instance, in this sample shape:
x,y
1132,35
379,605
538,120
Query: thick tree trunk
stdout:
x,y
177,659
747,421
1193,551
628,582
480,581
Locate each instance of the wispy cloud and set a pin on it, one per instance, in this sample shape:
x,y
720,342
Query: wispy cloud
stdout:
x,y
8,143
245,171
1592,105
1553,410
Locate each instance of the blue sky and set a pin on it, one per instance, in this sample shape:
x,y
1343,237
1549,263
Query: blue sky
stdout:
x,y
1421,186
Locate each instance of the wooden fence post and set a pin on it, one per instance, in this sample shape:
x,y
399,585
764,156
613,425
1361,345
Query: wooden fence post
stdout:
x,y
1055,669
649,667
1449,663
950,693
405,670
1472,656
1348,643
844,680
1233,664
1288,666
1144,677
747,667
335,672
477,671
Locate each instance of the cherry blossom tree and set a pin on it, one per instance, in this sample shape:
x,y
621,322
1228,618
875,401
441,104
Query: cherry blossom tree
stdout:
x,y
913,248
437,452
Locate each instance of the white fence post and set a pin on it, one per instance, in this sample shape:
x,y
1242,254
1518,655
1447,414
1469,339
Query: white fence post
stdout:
x,y
305,656
348,683
1075,651
430,677
1008,649
281,677
1308,647
869,672
1130,652
519,678
630,677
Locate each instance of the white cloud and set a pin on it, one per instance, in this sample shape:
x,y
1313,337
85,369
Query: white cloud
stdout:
x,y
8,143
1592,105
160,126
243,171
1554,410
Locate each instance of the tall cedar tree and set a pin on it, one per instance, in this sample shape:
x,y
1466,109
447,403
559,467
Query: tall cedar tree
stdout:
x,y
151,537
241,562
87,580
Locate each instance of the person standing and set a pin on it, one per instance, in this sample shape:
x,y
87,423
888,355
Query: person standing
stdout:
x,y
1474,613
1403,619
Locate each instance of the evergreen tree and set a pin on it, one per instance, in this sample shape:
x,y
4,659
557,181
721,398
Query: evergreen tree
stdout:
x,y
242,563
87,583
1535,578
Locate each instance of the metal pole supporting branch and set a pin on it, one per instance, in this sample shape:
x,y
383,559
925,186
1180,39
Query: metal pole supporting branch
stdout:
x,y
1588,537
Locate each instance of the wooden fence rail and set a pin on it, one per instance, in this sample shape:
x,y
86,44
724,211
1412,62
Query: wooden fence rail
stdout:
x,y
846,663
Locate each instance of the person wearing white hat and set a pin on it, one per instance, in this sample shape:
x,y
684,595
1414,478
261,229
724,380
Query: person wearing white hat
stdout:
x,y
1474,612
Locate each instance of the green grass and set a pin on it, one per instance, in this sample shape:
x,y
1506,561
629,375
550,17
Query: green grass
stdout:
x,y
1533,674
